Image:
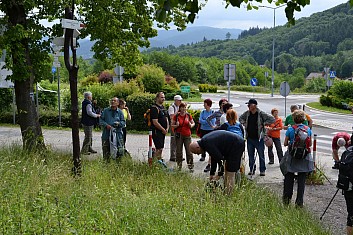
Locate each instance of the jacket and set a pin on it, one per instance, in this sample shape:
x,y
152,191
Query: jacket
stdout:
x,y
263,119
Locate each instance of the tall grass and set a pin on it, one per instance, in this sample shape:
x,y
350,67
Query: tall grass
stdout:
x,y
40,196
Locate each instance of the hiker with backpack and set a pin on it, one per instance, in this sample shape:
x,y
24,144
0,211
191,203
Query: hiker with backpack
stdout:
x,y
112,120
159,124
182,123
297,160
172,111
232,123
206,127
339,140
274,132
222,145
225,108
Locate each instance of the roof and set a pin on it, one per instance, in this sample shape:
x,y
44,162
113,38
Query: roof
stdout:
x,y
314,75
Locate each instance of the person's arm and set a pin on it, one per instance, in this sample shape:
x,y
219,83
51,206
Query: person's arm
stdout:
x,y
310,121
286,141
102,121
154,118
202,118
242,118
128,113
90,112
191,121
335,155
267,118
209,118
122,122
174,123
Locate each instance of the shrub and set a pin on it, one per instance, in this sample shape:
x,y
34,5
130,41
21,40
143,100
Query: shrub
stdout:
x,y
48,96
105,77
203,87
248,88
325,100
151,77
6,99
89,80
342,89
124,89
138,103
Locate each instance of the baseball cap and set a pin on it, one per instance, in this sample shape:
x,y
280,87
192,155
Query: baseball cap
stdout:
x,y
252,101
341,142
178,97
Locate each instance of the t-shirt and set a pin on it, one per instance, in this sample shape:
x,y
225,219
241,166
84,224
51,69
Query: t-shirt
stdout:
x,y
237,128
343,135
184,128
162,115
252,126
277,124
289,120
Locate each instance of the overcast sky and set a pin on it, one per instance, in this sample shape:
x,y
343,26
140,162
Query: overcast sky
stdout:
x,y
214,14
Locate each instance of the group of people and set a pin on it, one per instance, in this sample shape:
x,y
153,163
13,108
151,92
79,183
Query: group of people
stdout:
x,y
113,121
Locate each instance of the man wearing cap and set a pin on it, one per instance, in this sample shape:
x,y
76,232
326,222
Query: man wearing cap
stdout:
x,y
222,145
339,140
172,110
254,121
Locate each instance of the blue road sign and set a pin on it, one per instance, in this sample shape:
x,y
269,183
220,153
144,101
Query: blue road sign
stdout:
x,y
253,82
53,69
332,74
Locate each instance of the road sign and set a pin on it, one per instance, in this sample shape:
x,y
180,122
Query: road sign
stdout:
x,y
266,74
3,75
229,72
332,74
56,64
284,89
185,89
59,41
71,24
253,82
329,82
53,69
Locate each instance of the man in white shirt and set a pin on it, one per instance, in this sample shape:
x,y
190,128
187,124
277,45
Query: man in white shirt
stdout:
x,y
173,110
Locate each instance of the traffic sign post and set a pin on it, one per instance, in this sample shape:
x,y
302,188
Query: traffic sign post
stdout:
x,y
284,90
119,71
332,74
266,76
229,74
185,89
253,83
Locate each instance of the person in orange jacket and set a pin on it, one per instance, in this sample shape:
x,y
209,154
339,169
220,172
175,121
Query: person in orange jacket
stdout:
x,y
274,131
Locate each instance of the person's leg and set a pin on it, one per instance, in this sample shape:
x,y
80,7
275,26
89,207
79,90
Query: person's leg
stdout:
x,y
88,139
300,190
229,181
106,150
189,156
173,147
179,151
158,139
261,153
348,196
203,155
124,136
251,153
277,143
288,187
271,157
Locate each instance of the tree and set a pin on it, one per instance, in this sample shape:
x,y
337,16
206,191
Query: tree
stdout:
x,y
119,28
228,35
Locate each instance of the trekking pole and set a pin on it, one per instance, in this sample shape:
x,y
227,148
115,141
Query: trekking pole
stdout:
x,y
329,204
323,175
314,151
150,148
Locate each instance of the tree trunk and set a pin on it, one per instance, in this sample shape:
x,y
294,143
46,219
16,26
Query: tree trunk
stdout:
x,y
32,136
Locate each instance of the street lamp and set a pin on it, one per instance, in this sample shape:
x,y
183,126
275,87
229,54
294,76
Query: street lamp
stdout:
x,y
273,45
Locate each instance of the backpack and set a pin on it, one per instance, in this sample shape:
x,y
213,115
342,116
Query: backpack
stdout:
x,y
235,129
147,116
345,170
300,147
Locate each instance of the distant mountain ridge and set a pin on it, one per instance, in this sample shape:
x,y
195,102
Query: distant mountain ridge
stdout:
x,y
173,37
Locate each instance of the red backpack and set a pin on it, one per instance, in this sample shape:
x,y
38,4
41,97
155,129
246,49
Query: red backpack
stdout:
x,y
300,147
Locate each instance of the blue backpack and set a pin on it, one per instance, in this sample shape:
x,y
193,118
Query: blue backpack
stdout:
x,y
235,129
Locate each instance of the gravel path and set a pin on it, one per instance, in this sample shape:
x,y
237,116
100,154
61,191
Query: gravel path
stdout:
x,y
316,199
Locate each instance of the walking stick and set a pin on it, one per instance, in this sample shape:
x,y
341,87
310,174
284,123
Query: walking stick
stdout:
x,y
329,204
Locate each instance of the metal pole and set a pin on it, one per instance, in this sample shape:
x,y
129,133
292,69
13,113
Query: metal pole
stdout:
x,y
229,83
13,105
273,51
37,98
59,107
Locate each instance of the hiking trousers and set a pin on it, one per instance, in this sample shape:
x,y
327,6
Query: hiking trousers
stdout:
x,y
277,144
288,188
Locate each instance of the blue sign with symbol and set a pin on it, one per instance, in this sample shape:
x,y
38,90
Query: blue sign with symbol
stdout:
x,y
332,74
53,69
253,81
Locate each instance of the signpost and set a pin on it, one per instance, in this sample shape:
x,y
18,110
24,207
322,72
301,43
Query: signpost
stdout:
x,y
266,76
119,71
229,74
7,84
284,90
185,89
253,83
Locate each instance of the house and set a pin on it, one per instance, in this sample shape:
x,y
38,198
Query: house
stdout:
x,y
314,75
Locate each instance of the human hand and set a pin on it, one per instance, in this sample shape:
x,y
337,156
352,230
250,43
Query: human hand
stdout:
x,y
164,131
109,127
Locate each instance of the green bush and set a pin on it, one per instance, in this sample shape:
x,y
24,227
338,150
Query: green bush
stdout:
x,y
316,85
89,80
342,89
151,77
6,99
207,88
138,103
248,88
124,89
48,98
325,100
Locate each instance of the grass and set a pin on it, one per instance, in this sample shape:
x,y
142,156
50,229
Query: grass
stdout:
x,y
39,196
317,105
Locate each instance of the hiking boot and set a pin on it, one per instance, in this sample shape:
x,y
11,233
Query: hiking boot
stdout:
x,y
208,168
191,170
172,160
202,159
336,166
251,173
262,173
271,162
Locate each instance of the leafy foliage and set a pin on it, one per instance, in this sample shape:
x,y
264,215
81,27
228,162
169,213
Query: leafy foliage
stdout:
x,y
6,99
151,77
138,103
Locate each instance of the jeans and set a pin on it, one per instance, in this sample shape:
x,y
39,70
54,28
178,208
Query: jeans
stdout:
x,y
277,143
288,188
253,144
87,142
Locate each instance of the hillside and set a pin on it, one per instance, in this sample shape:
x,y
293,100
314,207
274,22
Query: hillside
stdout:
x,y
317,35
190,35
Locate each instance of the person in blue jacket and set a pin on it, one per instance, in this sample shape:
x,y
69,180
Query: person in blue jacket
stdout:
x,y
112,120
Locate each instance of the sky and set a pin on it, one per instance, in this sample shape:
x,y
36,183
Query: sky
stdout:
x,y
214,14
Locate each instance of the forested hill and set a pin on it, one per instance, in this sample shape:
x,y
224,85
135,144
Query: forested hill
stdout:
x,y
322,33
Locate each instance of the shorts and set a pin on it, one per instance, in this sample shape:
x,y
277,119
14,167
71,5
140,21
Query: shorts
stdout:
x,y
158,139
348,196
